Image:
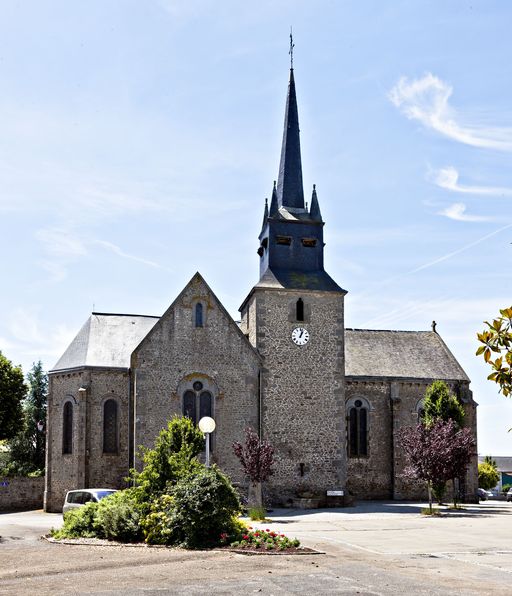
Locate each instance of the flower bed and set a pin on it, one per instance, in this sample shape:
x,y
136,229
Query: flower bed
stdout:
x,y
260,541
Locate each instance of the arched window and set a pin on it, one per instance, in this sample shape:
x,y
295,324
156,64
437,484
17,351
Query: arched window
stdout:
x,y
110,434
358,428
197,402
420,410
300,310
205,404
189,405
199,315
67,428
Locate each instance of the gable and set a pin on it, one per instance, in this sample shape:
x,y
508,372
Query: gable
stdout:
x,y
219,331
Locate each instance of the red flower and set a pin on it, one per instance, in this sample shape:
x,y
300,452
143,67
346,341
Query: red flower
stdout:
x,y
245,537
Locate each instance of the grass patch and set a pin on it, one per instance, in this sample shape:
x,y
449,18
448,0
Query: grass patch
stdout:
x,y
257,513
427,511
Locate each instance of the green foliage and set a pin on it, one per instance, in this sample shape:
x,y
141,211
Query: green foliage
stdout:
x,y
78,523
492,462
257,513
505,488
441,404
430,511
173,456
438,490
27,448
488,476
119,517
195,512
12,392
497,340
177,500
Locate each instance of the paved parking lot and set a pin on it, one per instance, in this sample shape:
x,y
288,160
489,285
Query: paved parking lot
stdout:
x,y
373,548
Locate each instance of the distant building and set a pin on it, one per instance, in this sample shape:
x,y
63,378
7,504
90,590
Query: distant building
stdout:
x,y
329,399
504,466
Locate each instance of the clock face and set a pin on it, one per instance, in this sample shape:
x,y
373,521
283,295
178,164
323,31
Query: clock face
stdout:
x,y
300,336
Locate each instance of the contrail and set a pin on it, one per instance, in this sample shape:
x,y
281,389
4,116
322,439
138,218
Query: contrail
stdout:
x,y
458,251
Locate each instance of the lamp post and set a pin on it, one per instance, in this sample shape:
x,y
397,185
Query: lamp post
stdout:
x,y
207,426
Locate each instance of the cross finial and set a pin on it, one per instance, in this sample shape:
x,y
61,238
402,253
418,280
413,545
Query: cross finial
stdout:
x,y
292,45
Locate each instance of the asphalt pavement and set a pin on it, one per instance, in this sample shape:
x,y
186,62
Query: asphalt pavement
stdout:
x,y
374,548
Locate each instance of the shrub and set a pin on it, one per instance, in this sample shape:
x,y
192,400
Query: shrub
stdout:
x,y
488,476
119,516
505,488
174,453
195,512
78,523
257,513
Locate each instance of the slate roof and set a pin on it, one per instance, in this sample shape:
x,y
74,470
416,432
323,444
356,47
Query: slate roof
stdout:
x,y
290,192
400,354
298,280
106,340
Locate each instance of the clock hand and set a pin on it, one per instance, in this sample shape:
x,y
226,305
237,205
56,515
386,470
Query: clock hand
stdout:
x,y
301,333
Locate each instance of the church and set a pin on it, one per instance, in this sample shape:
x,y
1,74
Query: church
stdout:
x,y
330,399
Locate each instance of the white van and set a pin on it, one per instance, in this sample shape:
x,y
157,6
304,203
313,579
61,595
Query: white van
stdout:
x,y
78,498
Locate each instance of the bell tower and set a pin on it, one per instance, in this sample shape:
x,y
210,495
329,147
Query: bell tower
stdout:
x,y
294,316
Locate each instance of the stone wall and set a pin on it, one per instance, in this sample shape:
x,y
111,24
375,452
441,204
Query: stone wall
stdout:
x,y
87,466
394,404
176,354
371,477
302,389
18,494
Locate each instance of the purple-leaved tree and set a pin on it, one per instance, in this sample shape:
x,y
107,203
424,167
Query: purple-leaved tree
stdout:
x,y
436,453
257,458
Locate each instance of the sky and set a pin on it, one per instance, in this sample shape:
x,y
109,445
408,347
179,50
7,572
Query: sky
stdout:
x,y
138,141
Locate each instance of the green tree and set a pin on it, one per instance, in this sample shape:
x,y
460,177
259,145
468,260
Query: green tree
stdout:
x,y
488,476
497,340
492,462
175,451
27,448
441,404
12,392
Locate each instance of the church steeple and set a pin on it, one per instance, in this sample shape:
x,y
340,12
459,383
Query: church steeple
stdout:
x,y
291,240
290,192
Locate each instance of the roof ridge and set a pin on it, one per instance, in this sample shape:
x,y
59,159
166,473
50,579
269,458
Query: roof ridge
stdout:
x,y
122,314
391,330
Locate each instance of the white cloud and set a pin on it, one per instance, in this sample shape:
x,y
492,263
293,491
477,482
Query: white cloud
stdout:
x,y
56,270
427,100
118,251
67,246
24,326
457,211
448,178
62,243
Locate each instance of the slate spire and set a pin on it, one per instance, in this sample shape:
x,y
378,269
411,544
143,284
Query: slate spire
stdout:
x,y
314,210
265,215
273,202
290,192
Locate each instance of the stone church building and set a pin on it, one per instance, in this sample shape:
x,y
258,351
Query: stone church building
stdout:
x,y
329,399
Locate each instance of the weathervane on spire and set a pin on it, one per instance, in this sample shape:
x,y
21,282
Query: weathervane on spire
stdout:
x,y
292,45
